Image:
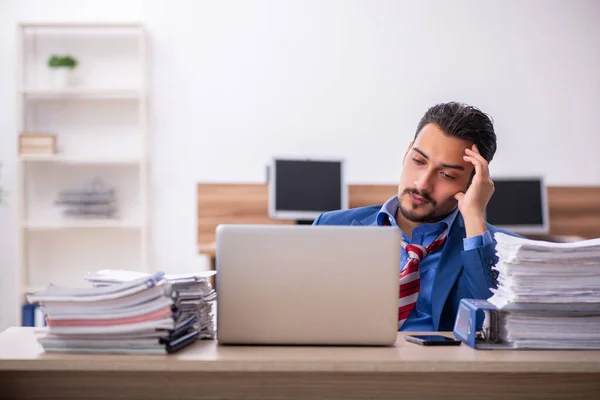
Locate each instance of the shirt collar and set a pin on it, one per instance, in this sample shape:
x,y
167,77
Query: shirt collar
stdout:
x,y
389,208
388,211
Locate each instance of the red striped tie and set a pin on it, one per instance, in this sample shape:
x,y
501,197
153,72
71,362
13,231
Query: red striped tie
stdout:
x,y
410,281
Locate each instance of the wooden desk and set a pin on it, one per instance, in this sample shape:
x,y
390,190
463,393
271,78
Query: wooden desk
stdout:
x,y
207,370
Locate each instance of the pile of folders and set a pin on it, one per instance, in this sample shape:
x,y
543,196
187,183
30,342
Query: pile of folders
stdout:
x,y
548,294
127,312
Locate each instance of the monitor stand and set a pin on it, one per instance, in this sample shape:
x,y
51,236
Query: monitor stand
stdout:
x,y
304,221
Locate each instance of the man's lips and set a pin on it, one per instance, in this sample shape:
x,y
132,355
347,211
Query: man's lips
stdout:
x,y
417,199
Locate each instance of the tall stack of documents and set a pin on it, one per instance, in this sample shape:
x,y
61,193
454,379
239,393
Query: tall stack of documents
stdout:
x,y
140,316
548,294
196,295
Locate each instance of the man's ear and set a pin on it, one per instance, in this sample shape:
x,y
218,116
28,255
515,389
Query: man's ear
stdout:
x,y
410,145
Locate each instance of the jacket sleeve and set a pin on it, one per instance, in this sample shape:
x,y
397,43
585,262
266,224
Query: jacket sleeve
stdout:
x,y
478,270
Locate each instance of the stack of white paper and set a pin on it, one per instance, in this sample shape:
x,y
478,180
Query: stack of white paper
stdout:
x,y
550,329
138,316
548,293
195,294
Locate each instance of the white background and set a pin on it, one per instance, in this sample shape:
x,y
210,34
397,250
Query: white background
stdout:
x,y
236,82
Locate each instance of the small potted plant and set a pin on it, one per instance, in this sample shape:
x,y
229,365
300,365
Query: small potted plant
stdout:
x,y
62,66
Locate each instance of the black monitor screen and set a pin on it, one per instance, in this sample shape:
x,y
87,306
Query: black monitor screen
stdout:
x,y
308,185
516,202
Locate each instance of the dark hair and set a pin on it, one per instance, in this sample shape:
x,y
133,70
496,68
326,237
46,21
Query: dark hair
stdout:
x,y
464,122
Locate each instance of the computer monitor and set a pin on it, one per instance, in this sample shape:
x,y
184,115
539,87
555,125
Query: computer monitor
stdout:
x,y
519,205
301,189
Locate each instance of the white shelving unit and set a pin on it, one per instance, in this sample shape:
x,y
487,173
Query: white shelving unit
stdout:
x,y
100,124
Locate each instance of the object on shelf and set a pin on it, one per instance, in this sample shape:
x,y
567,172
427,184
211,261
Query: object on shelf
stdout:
x,y
37,143
62,70
32,316
94,200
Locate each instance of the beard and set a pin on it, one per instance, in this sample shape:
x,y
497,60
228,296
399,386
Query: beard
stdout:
x,y
412,215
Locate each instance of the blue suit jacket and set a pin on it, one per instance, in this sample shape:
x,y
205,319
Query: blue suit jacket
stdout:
x,y
460,274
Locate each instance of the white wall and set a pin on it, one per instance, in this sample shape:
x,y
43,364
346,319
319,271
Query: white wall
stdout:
x,y
235,82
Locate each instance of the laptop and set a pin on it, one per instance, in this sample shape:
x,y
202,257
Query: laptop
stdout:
x,y
307,285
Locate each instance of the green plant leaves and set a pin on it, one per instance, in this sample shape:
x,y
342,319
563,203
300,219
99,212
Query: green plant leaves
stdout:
x,y
67,61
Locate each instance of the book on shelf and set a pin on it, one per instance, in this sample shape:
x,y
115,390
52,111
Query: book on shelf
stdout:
x,y
37,143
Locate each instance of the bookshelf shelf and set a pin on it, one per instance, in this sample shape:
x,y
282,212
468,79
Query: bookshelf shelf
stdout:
x,y
33,289
83,93
39,225
82,25
80,159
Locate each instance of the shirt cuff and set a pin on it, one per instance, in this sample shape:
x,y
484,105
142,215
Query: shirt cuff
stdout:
x,y
477,241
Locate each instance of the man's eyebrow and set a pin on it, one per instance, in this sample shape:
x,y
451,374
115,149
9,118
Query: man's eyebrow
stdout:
x,y
420,152
451,166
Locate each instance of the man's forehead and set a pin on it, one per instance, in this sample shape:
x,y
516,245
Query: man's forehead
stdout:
x,y
443,162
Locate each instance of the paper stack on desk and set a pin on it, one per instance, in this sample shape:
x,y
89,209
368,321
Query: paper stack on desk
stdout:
x,y
195,293
550,293
140,316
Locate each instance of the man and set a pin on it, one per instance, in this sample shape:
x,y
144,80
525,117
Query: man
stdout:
x,y
448,249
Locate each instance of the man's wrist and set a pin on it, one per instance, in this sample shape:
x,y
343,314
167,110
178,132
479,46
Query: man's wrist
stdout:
x,y
474,225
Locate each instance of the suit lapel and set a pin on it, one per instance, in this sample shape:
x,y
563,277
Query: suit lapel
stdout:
x,y
448,270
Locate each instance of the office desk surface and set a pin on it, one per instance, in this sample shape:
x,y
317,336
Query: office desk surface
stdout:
x,y
20,351
298,372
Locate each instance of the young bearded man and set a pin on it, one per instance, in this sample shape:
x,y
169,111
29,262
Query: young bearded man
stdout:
x,y
448,249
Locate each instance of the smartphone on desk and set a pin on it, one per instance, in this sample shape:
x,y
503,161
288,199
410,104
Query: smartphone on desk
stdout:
x,y
432,340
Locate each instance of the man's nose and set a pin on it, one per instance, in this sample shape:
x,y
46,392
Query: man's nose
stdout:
x,y
424,183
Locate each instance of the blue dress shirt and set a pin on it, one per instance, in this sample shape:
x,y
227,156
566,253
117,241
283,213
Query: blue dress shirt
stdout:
x,y
420,318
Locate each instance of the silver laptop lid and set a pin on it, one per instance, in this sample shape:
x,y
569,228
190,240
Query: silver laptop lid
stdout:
x,y
279,284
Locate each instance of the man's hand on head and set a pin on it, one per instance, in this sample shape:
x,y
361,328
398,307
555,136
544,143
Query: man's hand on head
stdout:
x,y
473,202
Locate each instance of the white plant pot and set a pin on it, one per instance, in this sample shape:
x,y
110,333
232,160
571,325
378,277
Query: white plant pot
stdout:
x,y
62,77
